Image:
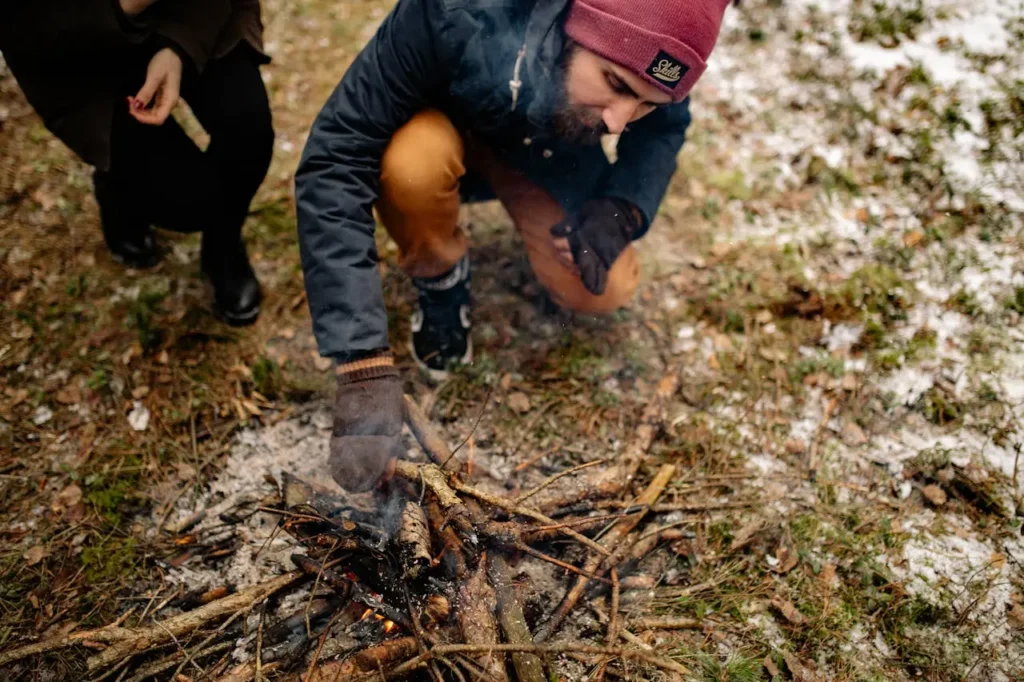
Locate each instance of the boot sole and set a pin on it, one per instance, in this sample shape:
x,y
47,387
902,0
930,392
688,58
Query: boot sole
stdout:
x,y
235,320
439,375
137,265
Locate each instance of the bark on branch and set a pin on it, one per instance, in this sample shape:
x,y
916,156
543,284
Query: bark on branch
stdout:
x,y
147,638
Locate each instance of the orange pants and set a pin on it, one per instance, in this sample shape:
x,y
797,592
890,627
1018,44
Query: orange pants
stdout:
x,y
419,206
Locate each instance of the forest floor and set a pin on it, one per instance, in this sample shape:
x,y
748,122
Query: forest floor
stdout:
x,y
836,276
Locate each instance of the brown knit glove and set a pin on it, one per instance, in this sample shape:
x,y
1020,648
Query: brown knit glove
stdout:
x,y
367,433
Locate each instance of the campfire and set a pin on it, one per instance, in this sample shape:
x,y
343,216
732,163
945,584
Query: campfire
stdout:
x,y
425,585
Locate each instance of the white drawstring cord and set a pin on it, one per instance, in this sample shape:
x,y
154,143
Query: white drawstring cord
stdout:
x,y
515,83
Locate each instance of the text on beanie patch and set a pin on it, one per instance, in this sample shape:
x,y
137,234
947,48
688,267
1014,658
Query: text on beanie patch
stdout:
x,y
667,69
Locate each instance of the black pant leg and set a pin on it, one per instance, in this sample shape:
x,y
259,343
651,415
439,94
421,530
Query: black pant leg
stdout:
x,y
158,176
230,101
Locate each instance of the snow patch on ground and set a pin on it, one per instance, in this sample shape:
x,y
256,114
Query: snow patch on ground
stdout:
x,y
966,572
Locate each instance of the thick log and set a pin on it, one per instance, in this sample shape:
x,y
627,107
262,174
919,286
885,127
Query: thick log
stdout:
x,y
414,539
528,666
452,549
477,604
436,480
380,657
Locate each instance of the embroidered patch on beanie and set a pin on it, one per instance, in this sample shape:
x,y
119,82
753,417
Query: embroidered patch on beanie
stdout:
x,y
667,69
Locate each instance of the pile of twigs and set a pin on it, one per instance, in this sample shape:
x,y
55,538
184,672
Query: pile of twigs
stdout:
x,y
427,592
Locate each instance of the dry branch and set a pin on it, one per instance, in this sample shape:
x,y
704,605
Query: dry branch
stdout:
x,y
382,656
564,648
145,639
428,438
174,659
104,635
613,624
556,477
666,624
452,546
528,666
812,457
436,480
477,604
524,511
613,480
668,507
246,672
541,533
610,541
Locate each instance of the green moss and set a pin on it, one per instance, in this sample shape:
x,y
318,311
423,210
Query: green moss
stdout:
x,y
874,289
965,302
940,408
111,559
733,184
887,23
98,380
266,376
828,364
831,179
143,314
921,343
1016,301
110,499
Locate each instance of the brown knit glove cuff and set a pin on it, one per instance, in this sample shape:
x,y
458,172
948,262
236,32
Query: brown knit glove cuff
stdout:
x,y
373,367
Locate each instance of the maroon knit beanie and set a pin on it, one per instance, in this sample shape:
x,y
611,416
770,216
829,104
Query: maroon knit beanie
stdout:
x,y
667,42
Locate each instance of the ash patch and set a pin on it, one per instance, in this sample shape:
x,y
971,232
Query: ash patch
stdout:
x,y
297,447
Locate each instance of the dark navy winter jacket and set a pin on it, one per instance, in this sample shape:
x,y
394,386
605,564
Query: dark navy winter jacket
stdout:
x,y
458,56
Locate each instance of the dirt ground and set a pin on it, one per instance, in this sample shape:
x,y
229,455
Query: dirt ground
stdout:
x,y
836,274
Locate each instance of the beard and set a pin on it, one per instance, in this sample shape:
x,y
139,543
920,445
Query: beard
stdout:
x,y
573,123
577,125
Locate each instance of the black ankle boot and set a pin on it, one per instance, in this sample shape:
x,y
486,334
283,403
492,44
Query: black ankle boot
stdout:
x,y
441,324
236,291
128,236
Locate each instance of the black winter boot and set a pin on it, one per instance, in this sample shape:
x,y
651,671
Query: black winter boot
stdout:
x,y
441,324
128,235
236,291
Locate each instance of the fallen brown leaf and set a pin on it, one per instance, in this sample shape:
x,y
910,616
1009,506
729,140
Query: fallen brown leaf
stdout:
x,y
853,435
787,558
1016,616
934,494
69,395
799,671
795,446
788,611
746,533
519,402
913,238
36,554
68,497
827,577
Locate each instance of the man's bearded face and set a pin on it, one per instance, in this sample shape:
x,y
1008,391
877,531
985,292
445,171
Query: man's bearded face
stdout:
x,y
574,121
596,97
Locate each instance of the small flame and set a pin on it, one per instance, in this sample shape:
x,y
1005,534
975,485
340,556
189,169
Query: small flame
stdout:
x,y
388,624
